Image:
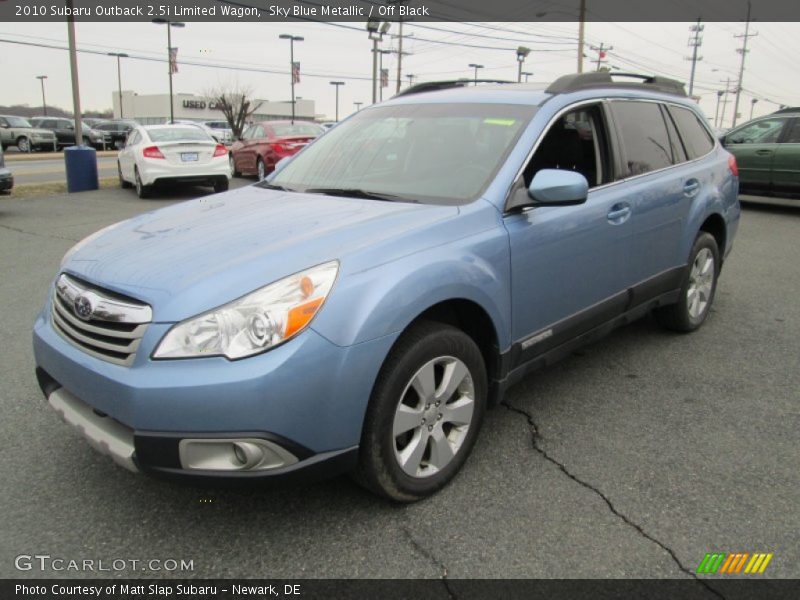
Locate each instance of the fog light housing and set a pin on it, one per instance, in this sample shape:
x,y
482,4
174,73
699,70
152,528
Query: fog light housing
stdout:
x,y
233,454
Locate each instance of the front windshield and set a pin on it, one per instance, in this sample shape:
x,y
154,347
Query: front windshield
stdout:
x,y
434,153
17,122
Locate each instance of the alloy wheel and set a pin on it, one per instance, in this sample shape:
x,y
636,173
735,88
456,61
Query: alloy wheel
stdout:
x,y
433,416
701,283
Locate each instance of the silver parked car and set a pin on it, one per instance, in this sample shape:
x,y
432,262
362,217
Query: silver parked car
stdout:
x,y
16,131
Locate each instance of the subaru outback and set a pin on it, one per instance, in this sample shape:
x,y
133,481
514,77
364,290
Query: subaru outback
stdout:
x,y
360,309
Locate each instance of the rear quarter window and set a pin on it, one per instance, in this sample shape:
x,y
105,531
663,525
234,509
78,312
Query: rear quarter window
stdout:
x,y
696,138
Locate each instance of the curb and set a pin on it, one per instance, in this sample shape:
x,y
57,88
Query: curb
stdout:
x,y
19,157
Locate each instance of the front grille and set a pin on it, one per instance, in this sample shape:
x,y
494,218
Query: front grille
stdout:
x,y
101,323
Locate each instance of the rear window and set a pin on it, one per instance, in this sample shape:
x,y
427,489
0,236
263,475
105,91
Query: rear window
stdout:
x,y
288,129
178,134
696,139
644,134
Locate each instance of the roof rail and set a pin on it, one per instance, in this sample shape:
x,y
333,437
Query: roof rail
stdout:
x,y
432,86
580,81
787,109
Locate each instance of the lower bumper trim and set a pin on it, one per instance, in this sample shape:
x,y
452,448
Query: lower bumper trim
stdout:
x,y
103,433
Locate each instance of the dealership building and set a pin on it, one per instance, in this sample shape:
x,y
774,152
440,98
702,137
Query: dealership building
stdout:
x,y
154,108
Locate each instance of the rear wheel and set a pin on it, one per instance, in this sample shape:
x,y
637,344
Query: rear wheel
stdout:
x,y
143,191
221,185
261,169
232,163
424,414
122,183
697,291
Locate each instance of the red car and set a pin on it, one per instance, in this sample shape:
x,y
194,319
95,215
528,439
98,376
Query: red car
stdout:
x,y
264,144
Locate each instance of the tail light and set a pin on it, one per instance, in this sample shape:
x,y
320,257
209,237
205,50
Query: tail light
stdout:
x,y
278,147
733,166
220,150
152,152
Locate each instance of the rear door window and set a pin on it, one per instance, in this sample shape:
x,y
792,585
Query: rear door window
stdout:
x,y
643,133
696,138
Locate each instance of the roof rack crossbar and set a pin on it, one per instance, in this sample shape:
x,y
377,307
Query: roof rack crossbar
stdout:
x,y
580,81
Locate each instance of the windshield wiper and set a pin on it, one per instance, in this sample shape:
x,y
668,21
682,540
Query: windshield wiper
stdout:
x,y
269,186
358,193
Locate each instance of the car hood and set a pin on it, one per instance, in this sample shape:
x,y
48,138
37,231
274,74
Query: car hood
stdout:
x,y
197,255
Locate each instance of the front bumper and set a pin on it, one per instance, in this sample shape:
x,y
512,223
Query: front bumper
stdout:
x,y
308,396
163,453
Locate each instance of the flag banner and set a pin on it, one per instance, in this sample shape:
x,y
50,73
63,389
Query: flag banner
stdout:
x,y
295,72
173,60
384,78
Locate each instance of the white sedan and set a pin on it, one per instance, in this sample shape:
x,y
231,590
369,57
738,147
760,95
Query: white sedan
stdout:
x,y
155,154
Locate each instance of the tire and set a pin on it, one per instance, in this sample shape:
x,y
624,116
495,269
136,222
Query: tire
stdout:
x,y
698,289
122,183
221,185
24,144
143,191
404,467
232,163
261,169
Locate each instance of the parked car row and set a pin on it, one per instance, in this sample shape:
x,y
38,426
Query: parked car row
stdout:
x,y
19,132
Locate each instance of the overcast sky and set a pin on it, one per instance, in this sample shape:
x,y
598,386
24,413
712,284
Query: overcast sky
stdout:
x,y
330,52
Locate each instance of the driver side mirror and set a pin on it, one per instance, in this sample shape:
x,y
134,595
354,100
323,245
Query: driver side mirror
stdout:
x,y
553,187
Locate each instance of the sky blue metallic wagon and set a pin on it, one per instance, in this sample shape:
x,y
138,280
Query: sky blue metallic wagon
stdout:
x,y
360,309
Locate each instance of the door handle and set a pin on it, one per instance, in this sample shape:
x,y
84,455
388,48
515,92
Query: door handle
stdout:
x,y
619,213
763,152
691,187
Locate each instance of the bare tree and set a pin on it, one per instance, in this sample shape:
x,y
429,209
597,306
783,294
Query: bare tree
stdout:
x,y
235,103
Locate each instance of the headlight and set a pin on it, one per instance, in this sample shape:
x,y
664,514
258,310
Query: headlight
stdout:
x,y
254,323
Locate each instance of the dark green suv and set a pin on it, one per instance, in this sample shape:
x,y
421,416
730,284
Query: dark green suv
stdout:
x,y
767,151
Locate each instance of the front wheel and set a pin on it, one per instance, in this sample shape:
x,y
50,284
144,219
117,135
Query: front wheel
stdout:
x,y
261,169
424,414
24,145
697,291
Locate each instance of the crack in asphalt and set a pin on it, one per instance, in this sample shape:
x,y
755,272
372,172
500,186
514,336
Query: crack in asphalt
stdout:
x,y
430,556
37,234
538,448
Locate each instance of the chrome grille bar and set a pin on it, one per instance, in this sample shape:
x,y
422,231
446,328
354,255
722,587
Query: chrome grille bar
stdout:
x,y
100,323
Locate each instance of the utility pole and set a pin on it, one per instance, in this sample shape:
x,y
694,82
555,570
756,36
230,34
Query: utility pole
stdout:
x,y
601,54
695,42
399,57
725,102
337,85
716,112
581,29
743,51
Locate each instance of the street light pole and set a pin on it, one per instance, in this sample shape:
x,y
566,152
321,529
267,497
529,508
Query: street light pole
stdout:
x,y
119,55
522,54
752,106
41,78
292,39
476,67
716,112
336,84
358,105
527,74
380,62
170,25
376,30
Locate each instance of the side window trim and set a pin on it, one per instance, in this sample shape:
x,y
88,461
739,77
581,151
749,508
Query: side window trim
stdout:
x,y
676,139
785,130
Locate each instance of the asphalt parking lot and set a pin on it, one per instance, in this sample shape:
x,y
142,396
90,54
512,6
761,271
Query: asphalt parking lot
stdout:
x,y
632,458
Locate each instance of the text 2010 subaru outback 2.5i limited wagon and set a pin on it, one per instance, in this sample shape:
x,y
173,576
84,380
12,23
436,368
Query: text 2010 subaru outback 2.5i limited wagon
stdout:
x,y
360,309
